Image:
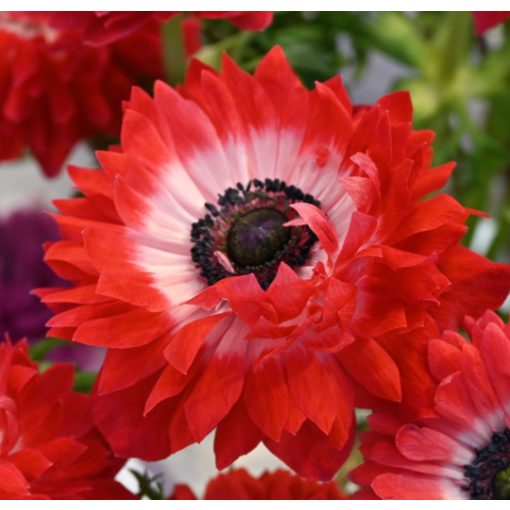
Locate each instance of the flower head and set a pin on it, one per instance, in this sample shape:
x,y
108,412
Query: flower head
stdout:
x,y
247,257
22,269
54,91
49,448
99,28
280,484
462,450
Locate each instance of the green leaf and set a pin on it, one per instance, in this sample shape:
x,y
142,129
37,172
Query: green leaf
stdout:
x,y
393,33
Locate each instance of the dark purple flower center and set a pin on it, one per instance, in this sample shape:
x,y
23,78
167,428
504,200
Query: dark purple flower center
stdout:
x,y
245,233
489,474
257,237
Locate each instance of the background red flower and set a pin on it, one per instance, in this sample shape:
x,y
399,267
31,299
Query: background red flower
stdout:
x,y
461,449
54,91
239,484
485,20
105,27
49,448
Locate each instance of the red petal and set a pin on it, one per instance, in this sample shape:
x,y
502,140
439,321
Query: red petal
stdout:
x,y
122,331
322,406
257,20
411,486
452,400
13,484
495,352
141,139
130,433
444,359
124,367
236,435
369,364
266,397
426,444
477,284
399,106
312,216
479,385
218,387
182,491
310,453
289,293
63,450
170,383
288,96
31,462
185,344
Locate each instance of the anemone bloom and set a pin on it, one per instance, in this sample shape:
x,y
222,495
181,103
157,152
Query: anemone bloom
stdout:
x,y
54,91
463,452
99,28
49,448
245,253
239,484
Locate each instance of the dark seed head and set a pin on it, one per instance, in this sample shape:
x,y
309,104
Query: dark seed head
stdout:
x,y
488,476
501,484
257,236
244,233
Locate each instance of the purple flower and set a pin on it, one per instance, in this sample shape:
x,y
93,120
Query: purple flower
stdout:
x,y
22,269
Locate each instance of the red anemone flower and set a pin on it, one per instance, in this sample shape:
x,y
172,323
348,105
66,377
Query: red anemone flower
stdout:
x,y
239,484
104,27
49,448
245,253
54,91
462,451
485,20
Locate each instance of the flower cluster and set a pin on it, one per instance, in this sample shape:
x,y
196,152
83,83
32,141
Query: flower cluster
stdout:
x,y
100,28
49,447
461,450
55,91
258,260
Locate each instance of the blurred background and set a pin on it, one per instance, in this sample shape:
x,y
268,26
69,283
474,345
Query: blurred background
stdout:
x,y
460,87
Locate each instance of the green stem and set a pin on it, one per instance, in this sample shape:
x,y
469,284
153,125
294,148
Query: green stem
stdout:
x,y
148,486
175,60
84,381
453,43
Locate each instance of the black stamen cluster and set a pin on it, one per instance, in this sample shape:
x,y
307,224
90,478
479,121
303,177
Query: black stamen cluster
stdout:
x,y
209,234
484,473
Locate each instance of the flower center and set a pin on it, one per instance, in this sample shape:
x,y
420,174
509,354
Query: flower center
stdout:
x,y
245,233
489,474
501,484
257,237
